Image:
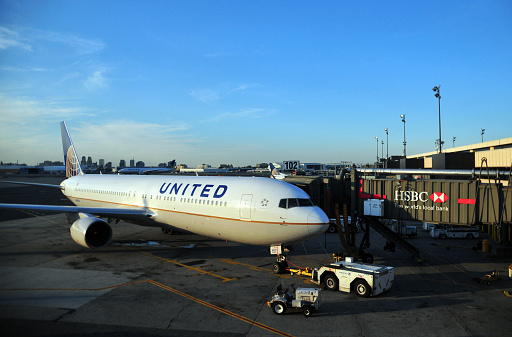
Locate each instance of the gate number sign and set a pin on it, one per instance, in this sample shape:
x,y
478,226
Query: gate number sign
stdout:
x,y
291,165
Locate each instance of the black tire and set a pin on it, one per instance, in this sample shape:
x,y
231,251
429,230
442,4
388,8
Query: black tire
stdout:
x,y
332,282
367,258
277,268
469,236
308,310
279,308
442,236
362,288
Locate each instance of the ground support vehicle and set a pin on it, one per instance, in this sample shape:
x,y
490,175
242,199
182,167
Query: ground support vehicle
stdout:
x,y
410,231
488,278
334,229
305,299
454,231
366,279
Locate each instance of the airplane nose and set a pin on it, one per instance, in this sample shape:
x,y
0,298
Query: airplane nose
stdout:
x,y
317,221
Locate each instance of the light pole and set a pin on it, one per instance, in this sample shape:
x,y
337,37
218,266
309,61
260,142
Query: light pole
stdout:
x,y
382,152
454,141
387,147
438,95
482,133
377,139
405,143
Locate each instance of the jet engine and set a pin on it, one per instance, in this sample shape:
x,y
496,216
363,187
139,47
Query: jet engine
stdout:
x,y
91,232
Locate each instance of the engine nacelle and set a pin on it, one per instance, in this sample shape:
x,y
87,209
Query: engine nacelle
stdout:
x,y
91,232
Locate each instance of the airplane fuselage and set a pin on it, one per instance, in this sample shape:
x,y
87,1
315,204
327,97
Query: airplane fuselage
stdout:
x,y
248,210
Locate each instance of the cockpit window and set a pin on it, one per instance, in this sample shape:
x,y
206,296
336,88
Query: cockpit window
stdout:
x,y
305,203
283,203
294,202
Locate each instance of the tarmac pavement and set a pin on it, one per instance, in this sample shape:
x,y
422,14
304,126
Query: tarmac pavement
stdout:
x,y
154,284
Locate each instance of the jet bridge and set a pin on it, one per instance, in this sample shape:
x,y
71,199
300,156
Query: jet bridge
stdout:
x,y
462,197
476,200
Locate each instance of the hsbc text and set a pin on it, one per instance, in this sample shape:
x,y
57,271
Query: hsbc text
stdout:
x,y
411,196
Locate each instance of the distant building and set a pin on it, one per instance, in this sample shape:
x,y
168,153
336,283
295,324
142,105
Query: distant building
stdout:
x,y
225,166
132,162
204,166
84,161
101,162
89,161
497,154
122,163
140,163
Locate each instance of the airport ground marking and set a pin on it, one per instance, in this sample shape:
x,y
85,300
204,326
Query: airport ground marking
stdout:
x,y
222,310
454,266
201,271
452,281
75,289
177,292
255,268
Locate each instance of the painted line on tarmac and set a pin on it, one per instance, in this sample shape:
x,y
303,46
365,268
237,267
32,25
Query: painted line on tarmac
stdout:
x,y
255,268
201,271
74,289
224,311
177,292
451,281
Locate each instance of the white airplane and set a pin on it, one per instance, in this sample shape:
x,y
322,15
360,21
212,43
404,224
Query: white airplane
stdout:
x,y
274,172
145,170
250,210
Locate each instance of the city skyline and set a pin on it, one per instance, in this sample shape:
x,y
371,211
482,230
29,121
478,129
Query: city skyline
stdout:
x,y
215,82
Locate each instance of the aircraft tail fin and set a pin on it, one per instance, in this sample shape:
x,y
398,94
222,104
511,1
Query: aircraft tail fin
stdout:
x,y
70,158
273,170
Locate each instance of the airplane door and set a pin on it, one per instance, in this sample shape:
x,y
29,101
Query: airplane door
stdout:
x,y
245,206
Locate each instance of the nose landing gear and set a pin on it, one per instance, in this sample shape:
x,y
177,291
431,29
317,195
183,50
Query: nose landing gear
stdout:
x,y
280,265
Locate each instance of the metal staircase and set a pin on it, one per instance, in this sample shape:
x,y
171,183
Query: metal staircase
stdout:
x,y
387,233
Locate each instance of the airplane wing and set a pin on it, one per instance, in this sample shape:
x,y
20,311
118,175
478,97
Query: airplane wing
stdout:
x,y
33,184
129,214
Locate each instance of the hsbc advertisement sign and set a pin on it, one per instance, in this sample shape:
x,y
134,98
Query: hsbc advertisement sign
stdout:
x,y
439,198
425,200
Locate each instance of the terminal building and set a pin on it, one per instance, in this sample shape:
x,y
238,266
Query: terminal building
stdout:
x,y
495,155
492,155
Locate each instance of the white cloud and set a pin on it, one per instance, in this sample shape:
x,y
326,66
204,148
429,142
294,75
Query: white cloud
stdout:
x,y
10,38
29,129
204,95
213,55
125,139
245,113
25,37
97,79
241,87
81,45
210,95
24,110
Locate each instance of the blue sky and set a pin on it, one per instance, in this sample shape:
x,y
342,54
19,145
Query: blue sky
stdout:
x,y
245,82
